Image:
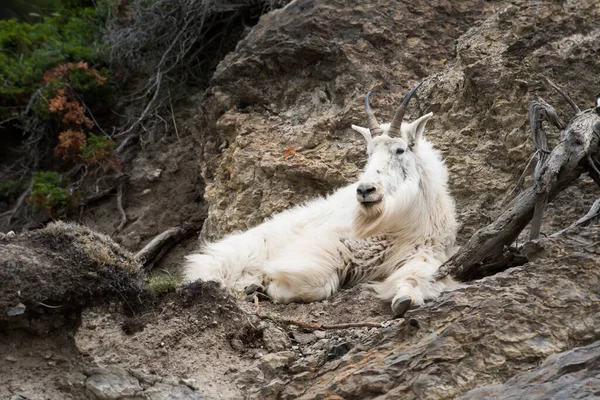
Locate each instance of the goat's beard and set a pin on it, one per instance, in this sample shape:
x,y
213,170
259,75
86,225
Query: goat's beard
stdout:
x,y
368,219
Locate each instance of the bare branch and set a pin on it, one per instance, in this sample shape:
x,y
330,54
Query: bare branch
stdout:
x,y
564,95
592,214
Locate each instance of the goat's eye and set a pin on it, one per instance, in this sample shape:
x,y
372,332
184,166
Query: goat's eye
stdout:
x,y
400,151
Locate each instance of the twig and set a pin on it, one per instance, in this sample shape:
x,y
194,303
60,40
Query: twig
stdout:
x,y
47,306
520,181
313,326
121,210
173,114
564,95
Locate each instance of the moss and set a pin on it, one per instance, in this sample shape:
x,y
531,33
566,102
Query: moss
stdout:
x,y
163,283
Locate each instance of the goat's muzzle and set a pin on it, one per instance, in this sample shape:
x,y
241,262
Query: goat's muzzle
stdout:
x,y
368,194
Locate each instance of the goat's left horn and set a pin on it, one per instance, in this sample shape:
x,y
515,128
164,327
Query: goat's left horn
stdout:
x,y
399,115
371,119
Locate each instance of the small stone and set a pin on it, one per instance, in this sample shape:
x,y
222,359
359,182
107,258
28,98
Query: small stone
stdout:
x,y
191,383
154,174
114,383
272,364
275,340
16,310
320,334
272,390
304,338
10,358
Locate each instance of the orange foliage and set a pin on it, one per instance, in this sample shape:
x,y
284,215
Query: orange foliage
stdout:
x,y
63,71
69,145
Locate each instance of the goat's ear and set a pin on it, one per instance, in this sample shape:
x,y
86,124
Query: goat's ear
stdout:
x,y
414,130
363,131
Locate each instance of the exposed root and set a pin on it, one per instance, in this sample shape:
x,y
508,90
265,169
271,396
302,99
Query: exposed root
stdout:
x,y
121,210
17,208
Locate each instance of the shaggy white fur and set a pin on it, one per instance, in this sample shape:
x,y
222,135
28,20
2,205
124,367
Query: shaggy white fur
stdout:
x,y
394,233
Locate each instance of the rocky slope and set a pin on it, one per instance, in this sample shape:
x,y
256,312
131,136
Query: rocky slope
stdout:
x,y
275,131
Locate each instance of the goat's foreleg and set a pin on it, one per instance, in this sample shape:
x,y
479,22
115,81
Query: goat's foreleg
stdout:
x,y
306,270
413,283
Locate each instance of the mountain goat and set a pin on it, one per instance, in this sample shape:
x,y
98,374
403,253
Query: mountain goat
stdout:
x,y
392,229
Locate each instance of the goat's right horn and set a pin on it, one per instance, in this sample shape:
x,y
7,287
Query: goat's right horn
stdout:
x,y
395,126
371,119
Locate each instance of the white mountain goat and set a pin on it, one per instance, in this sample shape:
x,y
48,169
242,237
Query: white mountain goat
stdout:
x,y
393,229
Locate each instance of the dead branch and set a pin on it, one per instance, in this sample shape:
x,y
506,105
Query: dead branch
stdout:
x,y
562,167
540,111
564,95
157,247
310,325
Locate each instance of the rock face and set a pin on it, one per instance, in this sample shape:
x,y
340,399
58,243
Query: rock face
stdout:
x,y
569,375
285,99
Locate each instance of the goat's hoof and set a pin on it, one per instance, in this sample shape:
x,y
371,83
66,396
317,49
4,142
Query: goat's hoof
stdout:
x,y
254,288
261,296
401,305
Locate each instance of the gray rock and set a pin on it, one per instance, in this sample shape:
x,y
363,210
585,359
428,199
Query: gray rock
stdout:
x,y
112,384
16,310
304,339
574,374
320,334
272,390
154,174
276,363
275,339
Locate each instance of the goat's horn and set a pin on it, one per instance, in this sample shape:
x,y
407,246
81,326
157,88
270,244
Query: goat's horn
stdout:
x,y
399,115
371,120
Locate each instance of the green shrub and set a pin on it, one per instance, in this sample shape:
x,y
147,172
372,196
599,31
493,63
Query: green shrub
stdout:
x,y
28,51
10,189
49,192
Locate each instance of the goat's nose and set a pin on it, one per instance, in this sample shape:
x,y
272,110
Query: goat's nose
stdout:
x,y
365,189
